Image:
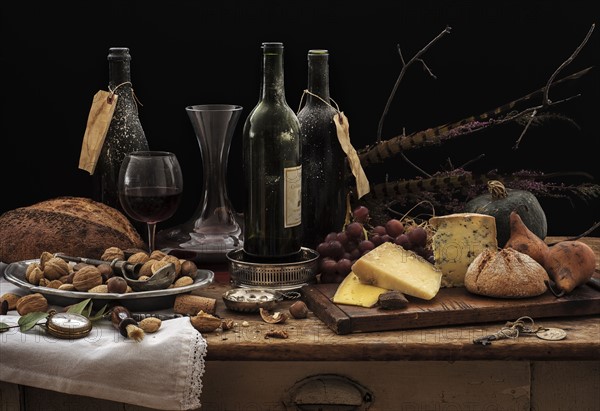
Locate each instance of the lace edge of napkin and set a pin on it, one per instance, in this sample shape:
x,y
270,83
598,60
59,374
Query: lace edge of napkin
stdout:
x,y
195,372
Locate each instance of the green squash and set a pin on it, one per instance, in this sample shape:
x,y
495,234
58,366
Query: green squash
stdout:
x,y
500,201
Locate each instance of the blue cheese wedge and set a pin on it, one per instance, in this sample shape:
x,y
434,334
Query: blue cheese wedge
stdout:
x,y
457,240
352,292
392,267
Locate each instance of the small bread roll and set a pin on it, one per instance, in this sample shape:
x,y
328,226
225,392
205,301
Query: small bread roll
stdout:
x,y
505,274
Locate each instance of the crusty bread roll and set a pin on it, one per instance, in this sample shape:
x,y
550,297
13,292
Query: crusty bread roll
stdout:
x,y
506,274
75,226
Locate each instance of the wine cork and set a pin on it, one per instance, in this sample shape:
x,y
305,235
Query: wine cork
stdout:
x,y
189,304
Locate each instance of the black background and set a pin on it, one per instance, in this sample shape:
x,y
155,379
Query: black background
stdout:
x,y
199,52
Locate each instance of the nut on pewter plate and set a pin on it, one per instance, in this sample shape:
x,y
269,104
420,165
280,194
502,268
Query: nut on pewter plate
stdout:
x,y
251,299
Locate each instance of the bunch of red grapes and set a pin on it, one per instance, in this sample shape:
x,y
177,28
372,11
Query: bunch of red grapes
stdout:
x,y
339,250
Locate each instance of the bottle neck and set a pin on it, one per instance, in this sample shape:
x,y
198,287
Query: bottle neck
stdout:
x,y
318,78
119,71
272,69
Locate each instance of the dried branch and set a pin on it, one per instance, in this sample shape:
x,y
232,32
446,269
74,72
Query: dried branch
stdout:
x,y
500,115
546,100
568,61
405,66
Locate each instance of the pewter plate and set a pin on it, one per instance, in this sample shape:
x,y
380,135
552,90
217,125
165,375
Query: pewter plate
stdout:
x,y
135,301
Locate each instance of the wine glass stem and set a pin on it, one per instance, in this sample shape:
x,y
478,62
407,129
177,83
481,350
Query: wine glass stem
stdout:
x,y
151,233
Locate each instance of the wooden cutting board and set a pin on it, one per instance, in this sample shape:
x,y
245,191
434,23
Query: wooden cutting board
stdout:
x,y
451,306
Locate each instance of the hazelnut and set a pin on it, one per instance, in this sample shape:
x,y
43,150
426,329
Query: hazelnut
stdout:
x,y
116,285
299,310
189,268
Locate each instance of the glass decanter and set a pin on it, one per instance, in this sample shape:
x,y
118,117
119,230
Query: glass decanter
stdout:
x,y
213,230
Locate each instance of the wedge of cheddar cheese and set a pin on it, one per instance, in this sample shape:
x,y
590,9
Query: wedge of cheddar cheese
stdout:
x,y
352,292
392,267
457,240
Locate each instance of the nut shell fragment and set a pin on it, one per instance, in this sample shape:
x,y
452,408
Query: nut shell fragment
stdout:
x,y
275,318
205,323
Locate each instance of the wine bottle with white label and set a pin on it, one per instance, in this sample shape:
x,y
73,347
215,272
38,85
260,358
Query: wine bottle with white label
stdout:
x,y
272,167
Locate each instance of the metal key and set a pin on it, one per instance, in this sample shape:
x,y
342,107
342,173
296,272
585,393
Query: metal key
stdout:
x,y
506,332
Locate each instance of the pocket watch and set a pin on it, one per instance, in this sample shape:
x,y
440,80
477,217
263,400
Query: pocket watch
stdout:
x,y
68,325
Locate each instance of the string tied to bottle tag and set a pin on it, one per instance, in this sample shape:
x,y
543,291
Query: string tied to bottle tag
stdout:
x,y
342,126
98,122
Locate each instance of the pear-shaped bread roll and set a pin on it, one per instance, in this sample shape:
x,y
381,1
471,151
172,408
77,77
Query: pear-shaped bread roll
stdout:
x,y
506,274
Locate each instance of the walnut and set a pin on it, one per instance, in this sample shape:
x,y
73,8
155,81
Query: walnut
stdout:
x,y
157,255
86,278
30,268
111,253
31,303
46,256
55,268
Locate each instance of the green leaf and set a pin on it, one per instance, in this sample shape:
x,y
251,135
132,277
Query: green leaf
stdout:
x,y
99,314
4,327
28,321
80,307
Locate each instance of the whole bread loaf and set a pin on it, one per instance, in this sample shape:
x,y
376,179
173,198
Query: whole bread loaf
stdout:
x,y
506,273
76,226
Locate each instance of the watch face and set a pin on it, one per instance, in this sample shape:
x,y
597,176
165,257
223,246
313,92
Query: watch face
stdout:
x,y
69,325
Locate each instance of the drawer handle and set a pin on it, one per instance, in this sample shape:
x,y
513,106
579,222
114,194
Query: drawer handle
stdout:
x,y
328,392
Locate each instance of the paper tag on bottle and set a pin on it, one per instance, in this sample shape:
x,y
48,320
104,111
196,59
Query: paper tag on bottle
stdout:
x,y
99,118
343,133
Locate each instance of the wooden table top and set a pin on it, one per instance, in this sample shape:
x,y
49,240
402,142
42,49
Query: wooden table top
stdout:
x,y
311,340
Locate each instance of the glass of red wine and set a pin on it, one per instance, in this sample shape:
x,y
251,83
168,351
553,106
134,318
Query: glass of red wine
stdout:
x,y
150,188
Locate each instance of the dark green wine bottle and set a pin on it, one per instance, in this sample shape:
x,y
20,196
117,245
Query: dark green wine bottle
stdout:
x,y
272,167
323,160
125,133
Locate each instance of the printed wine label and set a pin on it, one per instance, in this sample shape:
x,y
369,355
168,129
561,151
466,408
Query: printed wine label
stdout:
x,y
292,196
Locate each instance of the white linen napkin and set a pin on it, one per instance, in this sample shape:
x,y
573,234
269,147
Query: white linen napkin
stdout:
x,y
163,371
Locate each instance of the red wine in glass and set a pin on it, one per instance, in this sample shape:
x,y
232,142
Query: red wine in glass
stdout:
x,y
150,204
150,188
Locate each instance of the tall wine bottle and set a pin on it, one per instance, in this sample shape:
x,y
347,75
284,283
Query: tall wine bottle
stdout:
x,y
272,167
323,160
125,133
